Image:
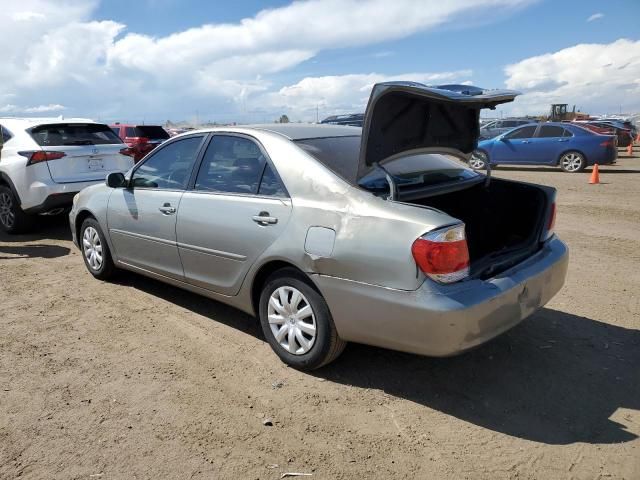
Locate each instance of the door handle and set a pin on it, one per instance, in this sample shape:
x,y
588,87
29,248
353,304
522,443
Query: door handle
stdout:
x,y
167,209
264,219
563,140
526,141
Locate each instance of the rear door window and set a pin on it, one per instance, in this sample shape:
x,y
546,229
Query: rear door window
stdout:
x,y
231,164
550,131
522,132
60,134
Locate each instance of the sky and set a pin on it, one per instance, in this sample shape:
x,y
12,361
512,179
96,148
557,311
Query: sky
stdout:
x,y
252,61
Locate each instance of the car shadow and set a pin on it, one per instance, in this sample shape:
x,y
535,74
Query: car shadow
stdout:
x,y
557,378
49,228
10,252
216,311
602,169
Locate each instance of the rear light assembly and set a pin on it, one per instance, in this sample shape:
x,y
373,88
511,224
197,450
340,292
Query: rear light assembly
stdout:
x,y
443,254
38,156
607,143
128,151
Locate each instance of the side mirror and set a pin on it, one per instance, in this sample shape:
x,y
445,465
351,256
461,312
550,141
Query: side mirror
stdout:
x,y
116,180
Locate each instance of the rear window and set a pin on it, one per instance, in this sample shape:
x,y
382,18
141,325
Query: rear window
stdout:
x,y
340,155
74,134
151,131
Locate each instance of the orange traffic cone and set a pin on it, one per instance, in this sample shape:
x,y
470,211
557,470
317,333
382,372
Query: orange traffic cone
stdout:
x,y
630,149
638,138
595,175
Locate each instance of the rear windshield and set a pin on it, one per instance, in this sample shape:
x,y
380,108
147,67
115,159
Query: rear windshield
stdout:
x,y
340,154
151,131
74,134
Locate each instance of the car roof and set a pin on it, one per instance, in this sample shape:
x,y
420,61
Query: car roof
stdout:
x,y
301,131
28,122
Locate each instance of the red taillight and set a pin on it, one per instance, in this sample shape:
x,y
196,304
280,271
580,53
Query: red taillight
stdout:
x,y
607,143
443,255
41,156
130,152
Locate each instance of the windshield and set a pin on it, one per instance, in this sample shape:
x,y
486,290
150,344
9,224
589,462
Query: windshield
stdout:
x,y
340,155
74,134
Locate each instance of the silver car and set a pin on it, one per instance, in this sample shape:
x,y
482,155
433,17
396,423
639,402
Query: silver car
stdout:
x,y
330,234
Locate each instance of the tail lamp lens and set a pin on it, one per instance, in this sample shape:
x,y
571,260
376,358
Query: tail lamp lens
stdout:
x,y
443,254
130,152
38,156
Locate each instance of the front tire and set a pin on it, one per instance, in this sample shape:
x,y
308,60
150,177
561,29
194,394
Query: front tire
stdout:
x,y
572,162
297,323
12,218
95,251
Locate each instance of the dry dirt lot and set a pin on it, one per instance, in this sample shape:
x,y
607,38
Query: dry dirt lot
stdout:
x,y
136,379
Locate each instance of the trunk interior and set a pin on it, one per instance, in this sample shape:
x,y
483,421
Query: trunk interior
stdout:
x,y
504,221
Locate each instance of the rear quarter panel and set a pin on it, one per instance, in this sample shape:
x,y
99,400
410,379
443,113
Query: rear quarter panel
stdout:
x,y
373,237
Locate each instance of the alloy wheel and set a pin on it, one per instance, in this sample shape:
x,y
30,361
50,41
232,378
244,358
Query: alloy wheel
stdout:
x,y
292,320
571,162
92,248
478,160
7,217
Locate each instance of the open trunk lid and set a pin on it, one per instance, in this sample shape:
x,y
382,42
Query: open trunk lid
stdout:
x,y
407,118
80,152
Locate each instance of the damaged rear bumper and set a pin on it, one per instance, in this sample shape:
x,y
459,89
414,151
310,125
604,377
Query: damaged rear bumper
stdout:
x,y
439,320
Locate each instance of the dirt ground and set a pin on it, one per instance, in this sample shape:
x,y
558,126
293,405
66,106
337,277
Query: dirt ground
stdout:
x,y
136,379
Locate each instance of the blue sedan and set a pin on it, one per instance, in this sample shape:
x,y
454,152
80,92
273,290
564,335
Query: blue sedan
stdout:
x,y
570,147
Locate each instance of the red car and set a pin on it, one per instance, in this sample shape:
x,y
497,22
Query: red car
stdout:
x,y
140,139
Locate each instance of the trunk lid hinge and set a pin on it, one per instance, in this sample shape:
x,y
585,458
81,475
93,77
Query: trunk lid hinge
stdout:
x,y
393,188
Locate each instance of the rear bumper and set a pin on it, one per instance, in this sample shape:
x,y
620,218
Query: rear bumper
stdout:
x,y
52,202
40,197
445,320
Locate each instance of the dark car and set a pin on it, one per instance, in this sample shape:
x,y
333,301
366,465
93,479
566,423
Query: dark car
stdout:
x,y
566,145
624,134
498,127
140,139
351,119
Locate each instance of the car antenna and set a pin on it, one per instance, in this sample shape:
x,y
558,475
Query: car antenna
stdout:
x,y
393,189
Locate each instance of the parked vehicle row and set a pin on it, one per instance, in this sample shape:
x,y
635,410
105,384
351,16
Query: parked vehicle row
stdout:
x,y
498,127
330,234
569,146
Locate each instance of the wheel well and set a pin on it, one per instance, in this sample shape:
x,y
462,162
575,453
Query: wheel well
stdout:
x,y
265,272
81,217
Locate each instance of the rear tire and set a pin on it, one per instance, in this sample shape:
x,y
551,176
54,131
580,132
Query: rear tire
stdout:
x,y
479,160
95,250
572,162
297,323
12,218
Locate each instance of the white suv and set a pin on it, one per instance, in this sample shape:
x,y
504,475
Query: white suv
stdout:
x,y
44,162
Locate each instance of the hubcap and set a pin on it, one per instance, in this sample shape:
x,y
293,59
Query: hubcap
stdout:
x,y
92,248
292,320
477,160
571,162
7,217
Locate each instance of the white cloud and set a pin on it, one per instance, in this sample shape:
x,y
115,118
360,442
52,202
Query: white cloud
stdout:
x,y
597,78
336,94
55,52
14,109
595,16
